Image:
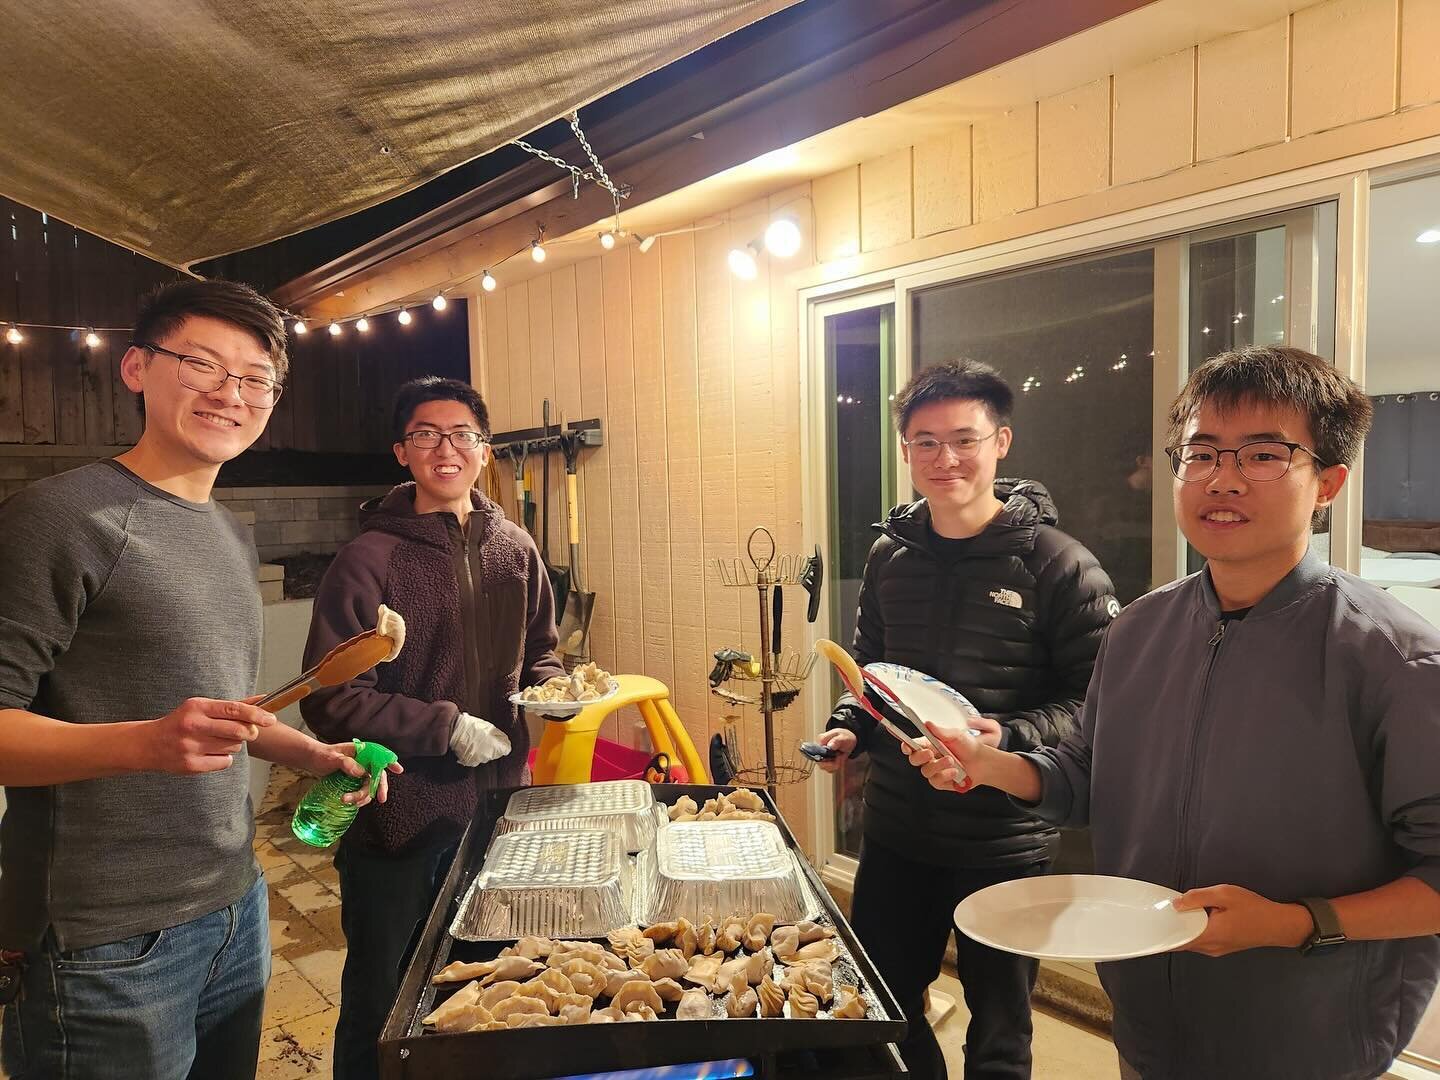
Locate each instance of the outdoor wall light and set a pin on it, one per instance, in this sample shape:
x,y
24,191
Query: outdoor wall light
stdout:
x,y
782,237
743,262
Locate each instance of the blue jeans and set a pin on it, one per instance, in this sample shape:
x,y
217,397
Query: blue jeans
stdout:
x,y
183,1002
384,899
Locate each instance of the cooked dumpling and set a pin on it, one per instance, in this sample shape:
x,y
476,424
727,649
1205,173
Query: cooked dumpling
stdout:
x,y
757,931
465,1018
585,977
687,938
825,949
705,938
636,993
497,992
617,979
462,998
731,970
684,809
531,948
513,1006
850,1005
668,989
744,799
695,1005
785,941
497,970
575,1014
727,938
660,933
758,966
526,1020
803,1004
704,970
665,964
812,931
772,998
741,1001
814,976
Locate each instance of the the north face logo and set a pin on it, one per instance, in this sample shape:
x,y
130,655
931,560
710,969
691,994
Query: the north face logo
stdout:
x,y
1005,597
1112,607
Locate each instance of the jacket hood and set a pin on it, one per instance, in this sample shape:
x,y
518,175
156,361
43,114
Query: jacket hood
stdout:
x,y
1027,505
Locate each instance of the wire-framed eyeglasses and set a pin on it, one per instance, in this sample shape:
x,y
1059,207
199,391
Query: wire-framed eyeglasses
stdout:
x,y
206,376
965,447
430,439
1261,461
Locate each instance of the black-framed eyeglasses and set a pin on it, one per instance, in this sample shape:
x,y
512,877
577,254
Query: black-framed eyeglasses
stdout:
x,y
206,376
964,448
1260,461
427,439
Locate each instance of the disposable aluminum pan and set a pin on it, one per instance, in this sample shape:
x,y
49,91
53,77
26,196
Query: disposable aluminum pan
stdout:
x,y
710,869
624,807
550,884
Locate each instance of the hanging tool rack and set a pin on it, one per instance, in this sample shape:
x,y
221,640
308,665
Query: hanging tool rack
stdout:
x,y
778,674
537,441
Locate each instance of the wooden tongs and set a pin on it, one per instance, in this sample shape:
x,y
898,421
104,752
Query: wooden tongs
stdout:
x,y
345,661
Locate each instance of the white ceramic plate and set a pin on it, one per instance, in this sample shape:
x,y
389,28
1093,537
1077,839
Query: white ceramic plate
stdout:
x,y
562,708
1078,917
926,696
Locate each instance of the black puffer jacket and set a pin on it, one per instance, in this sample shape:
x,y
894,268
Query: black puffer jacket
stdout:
x,y
1014,625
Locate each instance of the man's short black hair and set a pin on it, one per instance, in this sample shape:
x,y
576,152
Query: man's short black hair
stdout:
x,y
1337,410
417,392
966,379
167,307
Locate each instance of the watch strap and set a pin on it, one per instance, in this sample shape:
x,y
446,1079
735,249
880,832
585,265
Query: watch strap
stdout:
x,y
1327,930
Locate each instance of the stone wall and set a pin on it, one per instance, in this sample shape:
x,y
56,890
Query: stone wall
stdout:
x,y
291,520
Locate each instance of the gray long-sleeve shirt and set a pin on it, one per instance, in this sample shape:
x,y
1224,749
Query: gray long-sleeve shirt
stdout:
x,y
117,602
1295,753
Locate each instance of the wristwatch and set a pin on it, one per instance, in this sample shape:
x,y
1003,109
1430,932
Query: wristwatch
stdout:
x,y
1327,934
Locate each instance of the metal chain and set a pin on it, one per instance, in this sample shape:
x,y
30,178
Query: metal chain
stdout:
x,y
601,177
577,174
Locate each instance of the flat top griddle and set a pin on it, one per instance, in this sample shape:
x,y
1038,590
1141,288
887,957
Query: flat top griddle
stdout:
x,y
779,1047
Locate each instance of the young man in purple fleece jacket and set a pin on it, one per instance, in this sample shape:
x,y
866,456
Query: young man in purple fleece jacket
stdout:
x,y
479,625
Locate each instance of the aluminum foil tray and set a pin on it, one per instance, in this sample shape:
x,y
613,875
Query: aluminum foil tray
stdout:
x,y
709,869
625,807
552,884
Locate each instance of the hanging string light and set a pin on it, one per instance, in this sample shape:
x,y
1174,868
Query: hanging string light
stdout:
x,y
300,328
404,317
488,282
14,336
362,324
335,329
439,303
92,339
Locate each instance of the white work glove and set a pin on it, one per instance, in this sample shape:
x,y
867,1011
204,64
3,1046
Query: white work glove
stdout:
x,y
477,741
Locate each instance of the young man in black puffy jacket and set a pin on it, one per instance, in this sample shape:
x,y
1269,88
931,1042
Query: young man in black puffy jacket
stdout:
x,y
974,585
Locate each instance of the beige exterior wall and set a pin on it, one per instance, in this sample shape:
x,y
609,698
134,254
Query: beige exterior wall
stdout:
x,y
697,374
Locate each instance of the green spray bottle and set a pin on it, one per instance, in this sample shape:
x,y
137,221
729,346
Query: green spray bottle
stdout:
x,y
322,816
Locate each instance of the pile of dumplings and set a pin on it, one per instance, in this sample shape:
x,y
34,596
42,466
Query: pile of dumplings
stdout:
x,y
588,682
738,968
741,804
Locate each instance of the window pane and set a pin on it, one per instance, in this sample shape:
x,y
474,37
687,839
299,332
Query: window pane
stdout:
x,y
1074,342
860,377
1401,490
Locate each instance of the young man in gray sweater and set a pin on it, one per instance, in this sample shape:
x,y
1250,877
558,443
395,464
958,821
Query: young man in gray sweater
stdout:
x,y
133,917
1261,736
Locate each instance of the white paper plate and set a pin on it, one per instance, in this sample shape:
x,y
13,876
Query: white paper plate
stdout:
x,y
926,696
1078,917
562,708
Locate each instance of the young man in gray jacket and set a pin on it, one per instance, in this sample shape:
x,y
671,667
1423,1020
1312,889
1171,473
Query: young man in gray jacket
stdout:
x,y
1263,737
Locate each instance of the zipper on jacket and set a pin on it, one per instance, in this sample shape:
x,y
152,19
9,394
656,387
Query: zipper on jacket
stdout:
x,y
466,581
1187,791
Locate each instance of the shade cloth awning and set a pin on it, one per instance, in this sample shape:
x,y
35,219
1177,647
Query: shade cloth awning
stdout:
x,y
193,128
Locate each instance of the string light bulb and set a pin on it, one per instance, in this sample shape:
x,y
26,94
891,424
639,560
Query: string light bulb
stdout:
x,y
607,239
742,262
439,303
646,243
488,282
14,336
404,317
92,339
300,328
782,237
537,251
334,329
362,324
